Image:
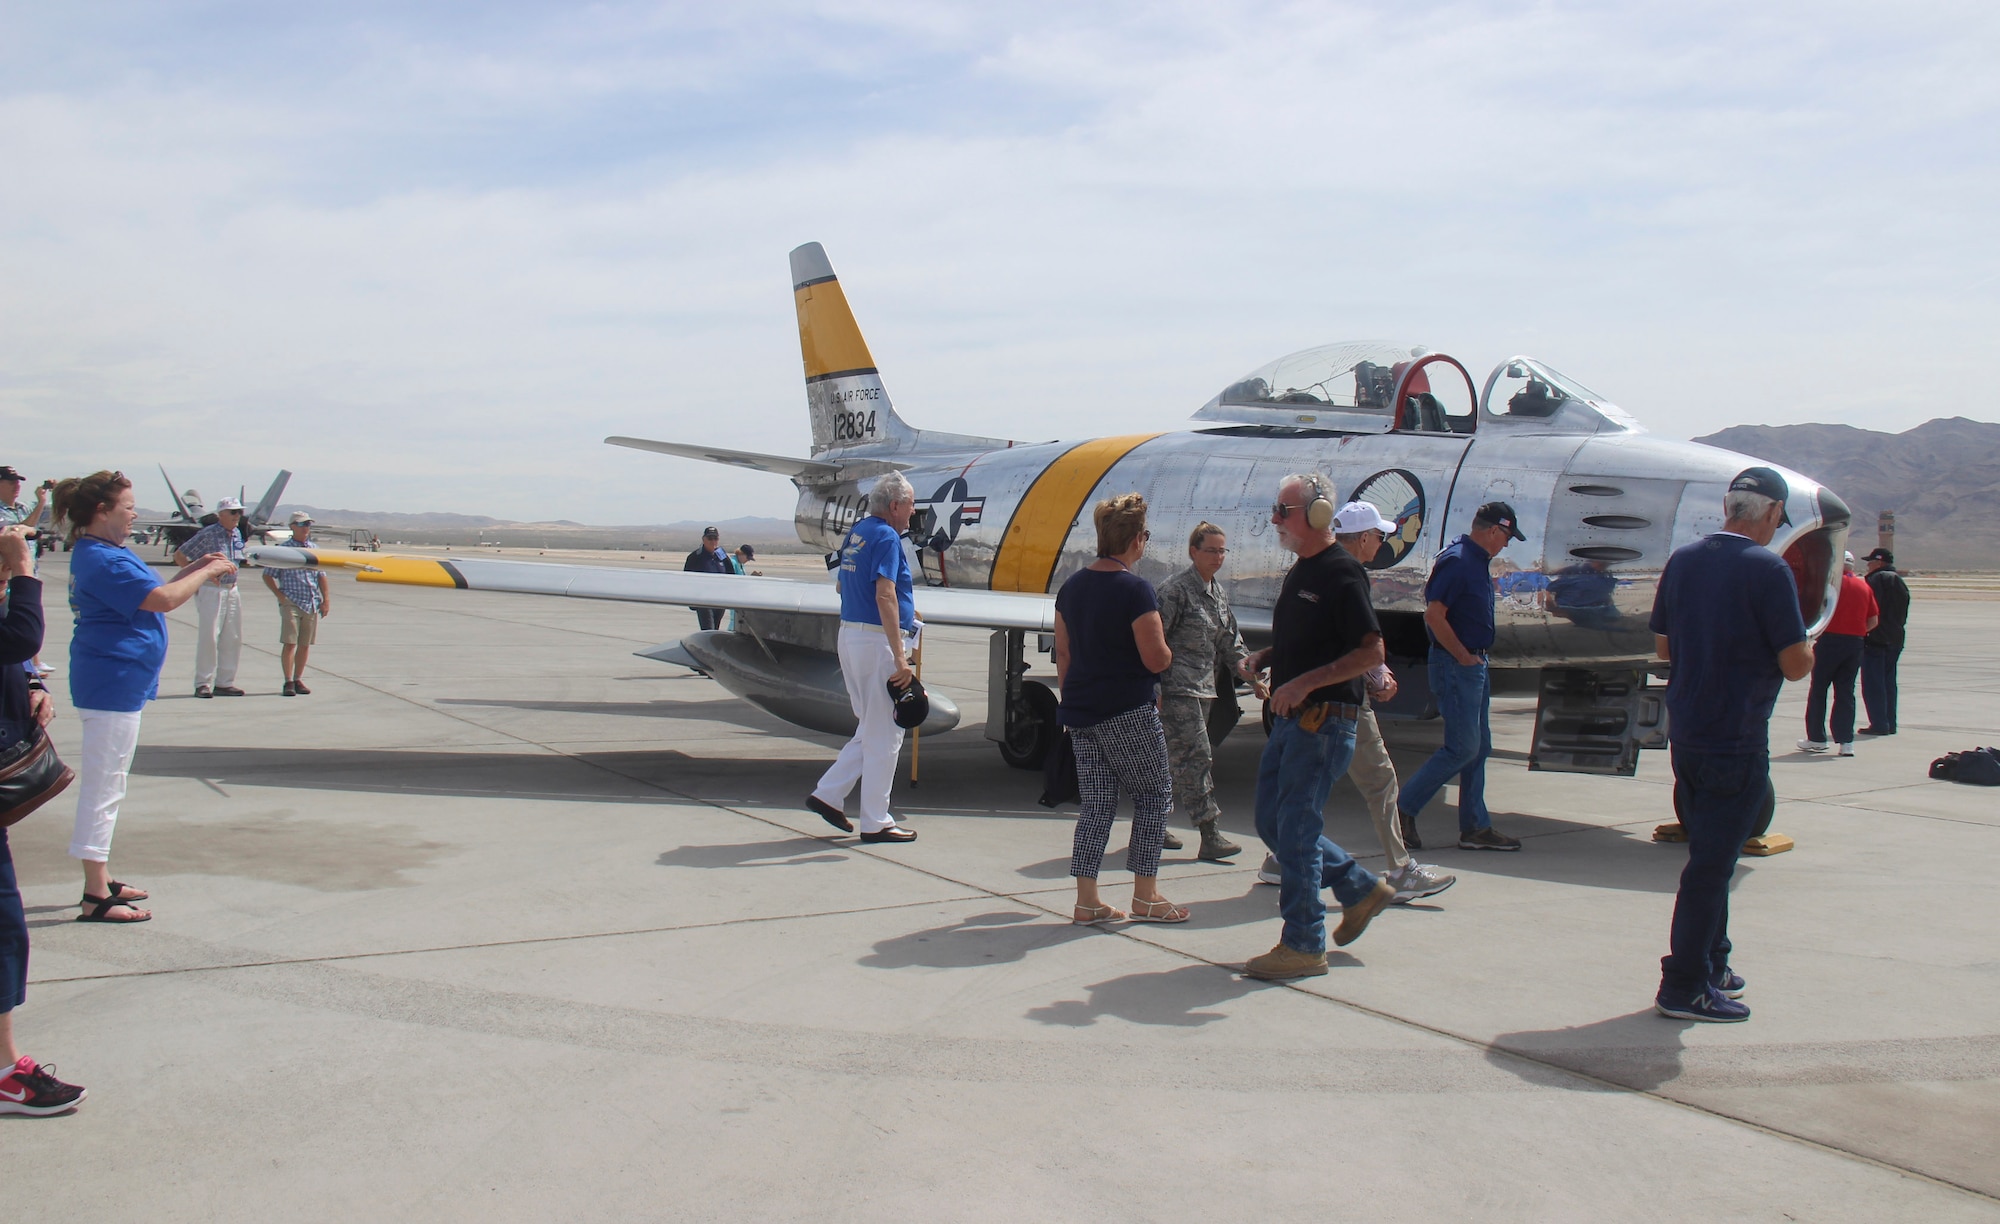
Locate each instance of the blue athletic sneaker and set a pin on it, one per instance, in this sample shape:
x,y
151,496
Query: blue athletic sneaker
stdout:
x,y
1710,1005
1728,984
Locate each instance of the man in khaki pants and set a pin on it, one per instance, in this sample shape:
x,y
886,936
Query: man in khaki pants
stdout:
x,y
1360,529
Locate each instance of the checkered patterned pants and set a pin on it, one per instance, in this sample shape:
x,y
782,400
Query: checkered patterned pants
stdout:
x,y
1125,752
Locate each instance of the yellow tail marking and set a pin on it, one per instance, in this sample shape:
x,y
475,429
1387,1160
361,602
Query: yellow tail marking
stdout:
x,y
409,571
1034,539
829,339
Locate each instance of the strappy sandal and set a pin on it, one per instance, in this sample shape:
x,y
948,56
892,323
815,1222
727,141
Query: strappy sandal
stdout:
x,y
1162,910
100,910
117,889
1095,915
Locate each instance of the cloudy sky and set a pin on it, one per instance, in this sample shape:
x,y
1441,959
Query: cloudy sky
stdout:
x,y
428,255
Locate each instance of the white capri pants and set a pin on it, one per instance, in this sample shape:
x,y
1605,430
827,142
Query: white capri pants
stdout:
x,y
109,739
869,758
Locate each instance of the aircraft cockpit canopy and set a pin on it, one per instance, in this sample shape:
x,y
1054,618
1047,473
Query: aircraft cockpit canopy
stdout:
x,y
1345,387
1524,392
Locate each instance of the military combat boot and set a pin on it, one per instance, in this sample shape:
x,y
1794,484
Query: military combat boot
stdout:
x,y
1214,846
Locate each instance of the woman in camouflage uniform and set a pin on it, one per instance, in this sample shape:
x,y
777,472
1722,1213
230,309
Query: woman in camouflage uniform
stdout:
x,y
1201,631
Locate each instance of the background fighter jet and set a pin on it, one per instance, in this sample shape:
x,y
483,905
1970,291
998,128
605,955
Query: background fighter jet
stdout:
x,y
1002,524
189,516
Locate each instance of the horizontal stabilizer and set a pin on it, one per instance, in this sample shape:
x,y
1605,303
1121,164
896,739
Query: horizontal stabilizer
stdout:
x,y
811,471
937,605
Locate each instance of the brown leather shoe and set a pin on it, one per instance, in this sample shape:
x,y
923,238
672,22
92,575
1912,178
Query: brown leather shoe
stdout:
x,y
1283,963
1356,917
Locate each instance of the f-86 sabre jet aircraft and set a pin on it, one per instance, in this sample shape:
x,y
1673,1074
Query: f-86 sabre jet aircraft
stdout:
x,y
1001,524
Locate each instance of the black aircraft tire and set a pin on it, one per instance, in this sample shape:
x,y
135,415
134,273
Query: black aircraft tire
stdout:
x,y
1028,747
1765,813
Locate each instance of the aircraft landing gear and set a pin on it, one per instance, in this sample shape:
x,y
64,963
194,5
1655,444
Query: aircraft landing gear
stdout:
x,y
1021,713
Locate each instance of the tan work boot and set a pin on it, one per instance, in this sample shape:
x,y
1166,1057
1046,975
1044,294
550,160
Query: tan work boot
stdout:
x,y
1214,846
1354,919
1283,963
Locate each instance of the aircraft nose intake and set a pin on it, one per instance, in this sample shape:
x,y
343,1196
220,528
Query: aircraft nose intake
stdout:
x,y
1832,511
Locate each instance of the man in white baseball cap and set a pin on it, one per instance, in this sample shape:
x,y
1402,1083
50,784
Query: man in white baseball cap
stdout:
x,y
220,641
1360,528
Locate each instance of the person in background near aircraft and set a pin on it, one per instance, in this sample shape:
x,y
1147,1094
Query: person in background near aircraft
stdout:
x,y
708,559
1883,647
13,513
1324,637
1110,650
303,598
1727,619
1360,529
115,655
1201,632
1836,663
878,633
220,644
25,1086
1458,612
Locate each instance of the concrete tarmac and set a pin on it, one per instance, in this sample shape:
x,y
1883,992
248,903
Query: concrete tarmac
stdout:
x,y
501,922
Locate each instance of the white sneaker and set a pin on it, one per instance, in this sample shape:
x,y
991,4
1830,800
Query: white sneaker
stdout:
x,y
1270,873
1812,745
1845,750
1418,880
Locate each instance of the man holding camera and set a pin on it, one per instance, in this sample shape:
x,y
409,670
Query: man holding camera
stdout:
x,y
220,642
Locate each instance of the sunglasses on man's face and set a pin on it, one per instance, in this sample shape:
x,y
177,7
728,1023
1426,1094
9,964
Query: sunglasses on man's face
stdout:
x,y
1280,510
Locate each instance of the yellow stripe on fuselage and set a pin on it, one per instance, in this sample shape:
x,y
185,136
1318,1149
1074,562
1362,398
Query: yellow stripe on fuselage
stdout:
x,y
409,571
1034,539
829,339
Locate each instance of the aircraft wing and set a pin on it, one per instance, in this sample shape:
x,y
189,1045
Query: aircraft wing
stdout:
x,y
937,605
808,470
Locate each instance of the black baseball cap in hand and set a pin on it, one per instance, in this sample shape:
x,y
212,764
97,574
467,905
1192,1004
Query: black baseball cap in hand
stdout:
x,y
913,704
1500,514
1767,482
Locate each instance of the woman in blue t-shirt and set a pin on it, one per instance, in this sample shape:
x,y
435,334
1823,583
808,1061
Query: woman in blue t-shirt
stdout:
x,y
1110,650
114,666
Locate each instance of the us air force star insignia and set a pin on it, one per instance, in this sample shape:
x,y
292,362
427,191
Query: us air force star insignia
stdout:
x,y
948,511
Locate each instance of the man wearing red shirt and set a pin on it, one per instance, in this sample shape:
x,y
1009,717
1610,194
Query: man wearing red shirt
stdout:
x,y
1836,662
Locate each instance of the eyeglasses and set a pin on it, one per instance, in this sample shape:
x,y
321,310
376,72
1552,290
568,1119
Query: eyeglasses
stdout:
x,y
1279,510
1214,552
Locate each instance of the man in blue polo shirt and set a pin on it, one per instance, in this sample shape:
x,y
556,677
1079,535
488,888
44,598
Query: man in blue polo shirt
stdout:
x,y
1458,611
1727,618
878,634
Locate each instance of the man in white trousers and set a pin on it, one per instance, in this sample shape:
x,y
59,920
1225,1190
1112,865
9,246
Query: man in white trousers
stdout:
x,y
220,642
878,633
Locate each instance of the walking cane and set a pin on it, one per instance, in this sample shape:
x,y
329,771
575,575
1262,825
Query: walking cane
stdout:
x,y
917,732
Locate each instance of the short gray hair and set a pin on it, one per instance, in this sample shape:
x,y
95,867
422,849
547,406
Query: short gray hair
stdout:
x,y
1743,506
888,491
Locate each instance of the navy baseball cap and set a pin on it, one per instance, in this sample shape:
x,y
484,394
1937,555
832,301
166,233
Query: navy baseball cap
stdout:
x,y
1500,514
1883,555
1767,482
912,703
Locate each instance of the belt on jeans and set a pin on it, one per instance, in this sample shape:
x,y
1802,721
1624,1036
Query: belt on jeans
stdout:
x,y
1314,716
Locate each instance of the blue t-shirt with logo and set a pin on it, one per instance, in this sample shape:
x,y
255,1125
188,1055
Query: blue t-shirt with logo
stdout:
x,y
873,549
1727,607
117,651
1462,580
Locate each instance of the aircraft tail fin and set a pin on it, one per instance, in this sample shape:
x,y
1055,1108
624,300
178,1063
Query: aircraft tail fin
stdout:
x,y
844,392
180,502
268,504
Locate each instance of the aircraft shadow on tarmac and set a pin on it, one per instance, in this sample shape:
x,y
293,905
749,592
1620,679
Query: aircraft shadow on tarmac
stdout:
x,y
1640,1051
736,713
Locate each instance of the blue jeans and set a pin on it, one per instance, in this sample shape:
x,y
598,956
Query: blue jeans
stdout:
x,y
1293,782
1878,681
1721,795
13,934
1463,697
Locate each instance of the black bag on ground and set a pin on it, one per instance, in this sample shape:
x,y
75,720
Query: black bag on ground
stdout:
x,y
1976,767
31,774
1059,773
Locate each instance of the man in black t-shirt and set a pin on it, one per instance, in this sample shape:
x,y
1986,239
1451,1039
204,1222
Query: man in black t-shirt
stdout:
x,y
1323,638
1883,646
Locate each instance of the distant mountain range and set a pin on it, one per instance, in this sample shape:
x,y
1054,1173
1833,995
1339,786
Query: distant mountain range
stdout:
x,y
1941,479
